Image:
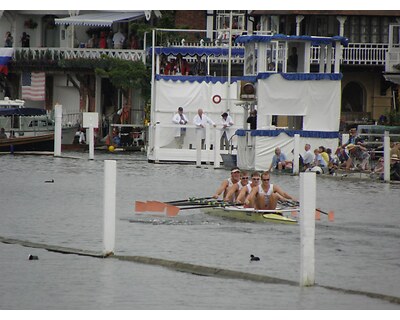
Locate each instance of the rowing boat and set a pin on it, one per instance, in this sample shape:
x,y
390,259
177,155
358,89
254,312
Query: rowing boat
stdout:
x,y
250,214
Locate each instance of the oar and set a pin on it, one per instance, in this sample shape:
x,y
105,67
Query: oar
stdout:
x,y
330,214
172,211
190,199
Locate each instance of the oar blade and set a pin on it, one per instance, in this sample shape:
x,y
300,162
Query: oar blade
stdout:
x,y
317,215
140,206
172,211
155,206
331,216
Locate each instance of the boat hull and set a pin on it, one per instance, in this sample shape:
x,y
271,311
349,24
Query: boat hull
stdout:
x,y
35,143
249,214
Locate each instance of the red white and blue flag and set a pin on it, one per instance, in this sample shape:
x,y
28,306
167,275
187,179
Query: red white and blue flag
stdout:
x,y
5,57
33,86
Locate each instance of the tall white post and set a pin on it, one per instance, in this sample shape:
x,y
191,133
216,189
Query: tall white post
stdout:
x,y
110,183
216,148
386,157
91,142
307,228
198,147
57,130
296,151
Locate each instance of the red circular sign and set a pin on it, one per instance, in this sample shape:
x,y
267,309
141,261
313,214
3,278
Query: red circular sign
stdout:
x,y
216,99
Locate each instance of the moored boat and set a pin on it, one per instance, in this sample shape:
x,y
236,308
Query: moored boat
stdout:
x,y
44,142
251,214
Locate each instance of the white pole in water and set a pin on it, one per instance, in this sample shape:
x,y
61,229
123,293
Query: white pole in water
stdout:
x,y
307,228
91,142
110,183
296,151
57,130
198,147
386,157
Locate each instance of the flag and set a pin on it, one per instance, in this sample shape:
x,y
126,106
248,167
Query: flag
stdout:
x,y
5,57
33,86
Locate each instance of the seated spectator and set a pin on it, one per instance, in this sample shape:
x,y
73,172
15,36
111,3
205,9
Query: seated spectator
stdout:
x,y
318,162
279,161
342,156
379,169
308,157
395,149
357,153
3,134
354,139
395,168
324,154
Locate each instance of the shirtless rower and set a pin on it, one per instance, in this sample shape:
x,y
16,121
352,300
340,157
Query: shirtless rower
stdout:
x,y
223,188
233,191
266,195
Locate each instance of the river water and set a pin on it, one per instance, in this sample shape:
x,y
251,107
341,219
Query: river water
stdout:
x,y
359,251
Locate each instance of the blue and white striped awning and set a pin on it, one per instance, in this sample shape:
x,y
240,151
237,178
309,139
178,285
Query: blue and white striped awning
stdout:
x,y
100,19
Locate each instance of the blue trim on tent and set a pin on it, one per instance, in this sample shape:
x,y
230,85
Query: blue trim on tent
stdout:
x,y
312,76
192,51
290,133
266,75
315,41
206,79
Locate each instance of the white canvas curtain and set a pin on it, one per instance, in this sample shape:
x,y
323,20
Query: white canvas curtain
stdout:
x,y
318,101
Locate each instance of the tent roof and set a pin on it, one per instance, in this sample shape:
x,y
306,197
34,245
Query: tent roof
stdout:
x,y
101,19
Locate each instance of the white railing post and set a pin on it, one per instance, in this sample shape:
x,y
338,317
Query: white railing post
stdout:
x,y
296,151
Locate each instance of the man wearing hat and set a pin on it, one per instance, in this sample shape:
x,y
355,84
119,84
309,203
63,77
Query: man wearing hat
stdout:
x,y
226,122
395,167
357,153
227,183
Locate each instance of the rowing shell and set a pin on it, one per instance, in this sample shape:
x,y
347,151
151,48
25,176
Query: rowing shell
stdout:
x,y
250,214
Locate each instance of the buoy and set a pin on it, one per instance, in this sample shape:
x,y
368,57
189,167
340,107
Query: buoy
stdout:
x,y
31,257
111,148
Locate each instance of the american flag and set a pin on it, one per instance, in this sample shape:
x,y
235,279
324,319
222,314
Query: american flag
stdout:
x,y
33,86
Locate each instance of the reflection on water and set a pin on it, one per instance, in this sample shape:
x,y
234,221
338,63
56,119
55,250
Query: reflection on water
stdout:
x,y
350,252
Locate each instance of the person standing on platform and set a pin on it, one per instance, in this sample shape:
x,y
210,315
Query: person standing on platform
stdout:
x,y
180,119
226,122
200,121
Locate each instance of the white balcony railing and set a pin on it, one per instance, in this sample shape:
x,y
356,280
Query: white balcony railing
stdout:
x,y
76,53
353,54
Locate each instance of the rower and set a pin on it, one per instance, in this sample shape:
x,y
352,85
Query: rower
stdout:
x,y
266,195
245,192
223,188
233,191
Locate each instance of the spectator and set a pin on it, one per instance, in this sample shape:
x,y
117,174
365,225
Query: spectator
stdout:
x,y
118,40
103,40
180,119
199,68
25,39
3,134
357,153
200,121
252,119
279,161
226,122
181,66
308,157
395,168
323,154
354,139
292,61
8,40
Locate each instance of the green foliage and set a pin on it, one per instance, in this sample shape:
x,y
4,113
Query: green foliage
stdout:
x,y
124,74
393,118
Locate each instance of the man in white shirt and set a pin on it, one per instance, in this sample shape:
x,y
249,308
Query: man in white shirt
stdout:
x,y
226,122
200,121
180,119
308,157
118,40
